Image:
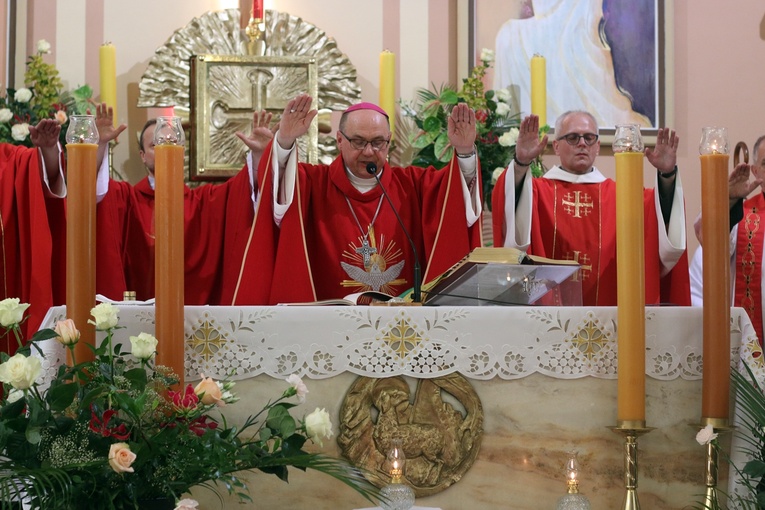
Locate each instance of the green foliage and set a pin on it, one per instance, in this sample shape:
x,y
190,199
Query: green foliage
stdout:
x,y
43,97
55,443
496,126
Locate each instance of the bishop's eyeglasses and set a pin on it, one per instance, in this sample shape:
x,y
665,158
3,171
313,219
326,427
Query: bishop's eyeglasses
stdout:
x,y
360,144
573,138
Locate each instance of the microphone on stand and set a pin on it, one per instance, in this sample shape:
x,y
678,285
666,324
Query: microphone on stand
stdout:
x,y
417,283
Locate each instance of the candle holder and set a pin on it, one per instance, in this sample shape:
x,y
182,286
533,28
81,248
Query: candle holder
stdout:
x,y
169,131
627,138
631,430
573,500
396,495
714,140
711,465
82,129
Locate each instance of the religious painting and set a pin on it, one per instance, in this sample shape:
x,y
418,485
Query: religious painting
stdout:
x,y
604,56
226,90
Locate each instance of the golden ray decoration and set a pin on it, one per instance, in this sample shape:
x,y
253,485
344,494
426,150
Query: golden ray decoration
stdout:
x,y
166,80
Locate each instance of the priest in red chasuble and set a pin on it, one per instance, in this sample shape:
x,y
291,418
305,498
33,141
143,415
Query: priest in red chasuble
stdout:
x,y
570,212
219,222
31,214
337,232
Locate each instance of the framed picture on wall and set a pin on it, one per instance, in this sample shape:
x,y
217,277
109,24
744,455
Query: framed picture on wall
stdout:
x,y
609,57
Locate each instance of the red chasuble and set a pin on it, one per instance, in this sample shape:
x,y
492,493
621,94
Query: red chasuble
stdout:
x,y
28,257
578,222
335,240
213,214
749,244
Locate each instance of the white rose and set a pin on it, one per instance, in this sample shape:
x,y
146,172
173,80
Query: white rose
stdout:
x,y
318,426
300,388
502,109
496,173
43,46
11,311
20,371
23,95
487,55
706,435
508,139
105,315
15,395
121,458
5,115
19,132
143,346
503,95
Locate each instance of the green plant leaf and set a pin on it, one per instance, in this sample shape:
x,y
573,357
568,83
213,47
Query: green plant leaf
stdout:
x,y
61,396
442,149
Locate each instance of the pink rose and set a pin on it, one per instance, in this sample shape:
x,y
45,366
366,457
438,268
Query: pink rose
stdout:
x,y
121,458
67,332
187,504
61,117
209,391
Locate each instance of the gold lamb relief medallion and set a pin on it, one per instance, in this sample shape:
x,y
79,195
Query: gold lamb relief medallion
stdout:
x,y
439,422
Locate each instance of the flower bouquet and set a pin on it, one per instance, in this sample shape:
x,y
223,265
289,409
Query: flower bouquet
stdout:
x,y
42,98
114,433
496,125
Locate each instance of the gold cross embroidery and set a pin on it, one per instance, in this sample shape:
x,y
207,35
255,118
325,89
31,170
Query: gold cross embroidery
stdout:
x,y
577,205
583,260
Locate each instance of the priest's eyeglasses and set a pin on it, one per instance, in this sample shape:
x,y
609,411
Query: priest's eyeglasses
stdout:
x,y
360,144
573,138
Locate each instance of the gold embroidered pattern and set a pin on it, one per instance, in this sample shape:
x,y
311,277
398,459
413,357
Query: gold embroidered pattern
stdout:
x,y
589,340
577,204
402,337
207,340
583,260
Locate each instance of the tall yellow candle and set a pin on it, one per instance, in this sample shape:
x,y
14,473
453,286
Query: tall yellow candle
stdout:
x,y
108,76
388,86
630,275
81,243
539,88
169,257
715,388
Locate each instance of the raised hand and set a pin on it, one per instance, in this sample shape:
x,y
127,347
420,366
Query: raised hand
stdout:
x,y
664,155
295,120
461,128
739,185
528,146
105,124
45,134
261,133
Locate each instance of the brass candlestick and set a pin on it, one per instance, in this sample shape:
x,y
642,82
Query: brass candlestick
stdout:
x,y
711,466
631,430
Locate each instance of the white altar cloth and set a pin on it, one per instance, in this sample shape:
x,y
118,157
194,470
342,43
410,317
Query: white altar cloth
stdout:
x,y
423,342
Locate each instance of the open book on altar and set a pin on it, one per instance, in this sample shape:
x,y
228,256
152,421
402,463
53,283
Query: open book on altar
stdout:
x,y
506,276
367,297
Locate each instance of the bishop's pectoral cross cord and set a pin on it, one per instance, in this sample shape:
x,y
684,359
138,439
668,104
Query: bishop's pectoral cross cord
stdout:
x,y
365,250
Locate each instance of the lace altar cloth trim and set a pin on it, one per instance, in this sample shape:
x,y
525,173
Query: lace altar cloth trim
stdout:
x,y
424,342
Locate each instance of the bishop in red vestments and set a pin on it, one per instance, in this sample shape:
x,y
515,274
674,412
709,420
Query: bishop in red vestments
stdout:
x,y
219,223
570,213
337,232
31,212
